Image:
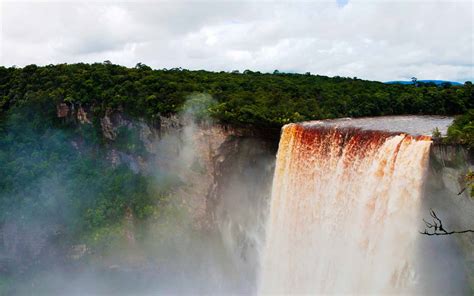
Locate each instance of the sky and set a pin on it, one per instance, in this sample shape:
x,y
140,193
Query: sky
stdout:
x,y
369,39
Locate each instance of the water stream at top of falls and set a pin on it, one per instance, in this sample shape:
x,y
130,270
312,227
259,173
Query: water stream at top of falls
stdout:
x,y
345,200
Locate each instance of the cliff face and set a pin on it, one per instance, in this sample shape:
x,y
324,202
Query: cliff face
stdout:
x,y
226,176
446,184
447,195
238,199
216,163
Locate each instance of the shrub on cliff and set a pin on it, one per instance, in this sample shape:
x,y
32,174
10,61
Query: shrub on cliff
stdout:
x,y
462,130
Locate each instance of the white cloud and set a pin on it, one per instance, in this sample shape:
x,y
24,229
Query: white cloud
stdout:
x,y
380,40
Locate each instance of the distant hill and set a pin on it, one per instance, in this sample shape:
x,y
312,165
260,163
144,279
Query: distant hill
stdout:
x,y
437,82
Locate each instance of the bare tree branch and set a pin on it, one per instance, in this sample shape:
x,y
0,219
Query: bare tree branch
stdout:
x,y
437,227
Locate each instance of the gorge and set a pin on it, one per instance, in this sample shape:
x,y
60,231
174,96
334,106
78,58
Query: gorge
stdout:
x,y
344,195
175,188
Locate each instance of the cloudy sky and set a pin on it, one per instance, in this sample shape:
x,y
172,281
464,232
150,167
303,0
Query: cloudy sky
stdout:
x,y
377,40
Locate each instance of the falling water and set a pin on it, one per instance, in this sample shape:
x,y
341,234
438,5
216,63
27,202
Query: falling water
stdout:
x,y
343,211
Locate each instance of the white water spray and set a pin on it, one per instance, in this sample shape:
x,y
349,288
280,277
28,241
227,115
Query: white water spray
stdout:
x,y
343,209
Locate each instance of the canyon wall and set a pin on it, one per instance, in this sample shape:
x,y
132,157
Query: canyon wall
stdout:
x,y
447,193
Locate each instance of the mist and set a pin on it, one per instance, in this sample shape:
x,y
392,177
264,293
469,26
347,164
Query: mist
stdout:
x,y
176,207
444,266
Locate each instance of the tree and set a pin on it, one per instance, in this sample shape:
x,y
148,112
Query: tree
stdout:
x,y
141,66
462,130
436,135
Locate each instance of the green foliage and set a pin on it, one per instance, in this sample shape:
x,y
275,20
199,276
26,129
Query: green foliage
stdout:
x,y
199,105
59,173
128,140
462,130
436,133
239,98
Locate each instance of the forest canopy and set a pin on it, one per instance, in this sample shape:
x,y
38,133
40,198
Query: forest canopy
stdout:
x,y
254,98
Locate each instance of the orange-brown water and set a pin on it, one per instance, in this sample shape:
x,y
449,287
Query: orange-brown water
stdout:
x,y
343,211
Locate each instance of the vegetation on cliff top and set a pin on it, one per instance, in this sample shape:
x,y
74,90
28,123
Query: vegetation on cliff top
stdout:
x,y
240,98
462,130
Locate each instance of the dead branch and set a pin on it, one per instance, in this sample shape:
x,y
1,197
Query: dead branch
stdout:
x,y
436,227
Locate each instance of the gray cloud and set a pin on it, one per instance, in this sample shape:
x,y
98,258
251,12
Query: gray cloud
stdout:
x,y
380,40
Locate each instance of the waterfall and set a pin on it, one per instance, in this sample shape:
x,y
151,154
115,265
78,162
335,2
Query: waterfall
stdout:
x,y
344,211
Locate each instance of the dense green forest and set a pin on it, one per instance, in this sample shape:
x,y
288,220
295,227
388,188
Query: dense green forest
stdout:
x,y
44,180
239,98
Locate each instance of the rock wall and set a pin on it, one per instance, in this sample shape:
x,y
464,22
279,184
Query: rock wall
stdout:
x,y
226,174
447,184
238,200
445,194
213,160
